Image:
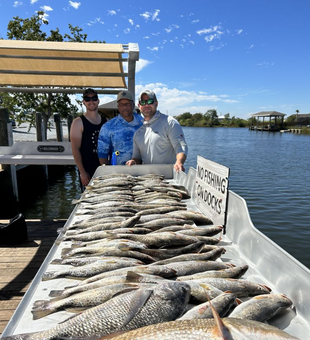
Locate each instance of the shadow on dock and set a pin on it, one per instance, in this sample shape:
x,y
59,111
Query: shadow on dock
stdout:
x,y
19,264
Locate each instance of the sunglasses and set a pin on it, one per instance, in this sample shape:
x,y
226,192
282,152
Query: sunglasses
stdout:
x,y
88,99
148,102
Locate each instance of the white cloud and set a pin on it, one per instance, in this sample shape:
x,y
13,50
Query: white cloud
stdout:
x,y
175,102
155,15
44,17
95,21
17,3
131,22
46,8
208,30
140,65
239,31
265,64
111,12
33,1
148,15
75,5
127,31
195,21
153,48
171,27
212,33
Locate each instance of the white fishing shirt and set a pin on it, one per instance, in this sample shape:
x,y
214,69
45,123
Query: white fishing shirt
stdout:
x,y
159,140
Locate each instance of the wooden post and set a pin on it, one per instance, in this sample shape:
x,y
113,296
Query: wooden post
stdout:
x,y
69,123
44,126
8,198
39,127
4,120
58,127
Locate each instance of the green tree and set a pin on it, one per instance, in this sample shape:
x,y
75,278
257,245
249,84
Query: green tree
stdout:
x,y
212,117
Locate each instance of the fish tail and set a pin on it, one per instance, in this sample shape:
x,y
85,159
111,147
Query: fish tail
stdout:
x,y
43,310
49,276
56,293
65,252
38,303
57,261
60,239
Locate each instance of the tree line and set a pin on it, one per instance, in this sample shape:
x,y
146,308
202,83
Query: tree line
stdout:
x,y
211,119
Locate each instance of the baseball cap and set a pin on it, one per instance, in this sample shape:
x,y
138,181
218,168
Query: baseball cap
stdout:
x,y
89,91
124,95
149,93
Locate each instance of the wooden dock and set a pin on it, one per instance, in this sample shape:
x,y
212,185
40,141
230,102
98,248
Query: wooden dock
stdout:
x,y
19,264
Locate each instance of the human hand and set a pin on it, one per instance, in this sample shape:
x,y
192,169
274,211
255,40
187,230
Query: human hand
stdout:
x,y
178,166
131,162
85,178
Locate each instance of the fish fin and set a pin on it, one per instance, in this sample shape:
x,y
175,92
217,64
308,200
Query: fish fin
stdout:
x,y
76,310
139,299
133,277
238,301
223,331
125,290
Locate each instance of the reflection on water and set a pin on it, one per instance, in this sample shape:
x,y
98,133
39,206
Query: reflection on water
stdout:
x,y
54,202
269,170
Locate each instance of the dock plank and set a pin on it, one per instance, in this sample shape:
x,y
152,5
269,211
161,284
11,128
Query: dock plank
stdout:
x,y
19,264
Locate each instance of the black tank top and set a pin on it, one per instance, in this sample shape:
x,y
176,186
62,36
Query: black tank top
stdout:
x,y
89,144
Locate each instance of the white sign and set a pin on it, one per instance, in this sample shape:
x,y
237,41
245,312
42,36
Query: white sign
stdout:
x,y
211,190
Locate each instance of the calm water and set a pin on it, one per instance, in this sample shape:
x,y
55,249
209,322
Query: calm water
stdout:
x,y
269,170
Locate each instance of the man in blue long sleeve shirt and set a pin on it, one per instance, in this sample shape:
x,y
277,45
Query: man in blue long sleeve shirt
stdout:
x,y
117,134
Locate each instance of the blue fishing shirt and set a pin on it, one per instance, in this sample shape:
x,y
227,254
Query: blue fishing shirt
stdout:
x,y
117,135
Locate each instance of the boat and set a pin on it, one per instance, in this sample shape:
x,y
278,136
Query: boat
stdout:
x,y
268,263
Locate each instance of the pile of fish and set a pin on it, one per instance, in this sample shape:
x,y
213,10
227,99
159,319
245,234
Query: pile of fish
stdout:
x,y
149,268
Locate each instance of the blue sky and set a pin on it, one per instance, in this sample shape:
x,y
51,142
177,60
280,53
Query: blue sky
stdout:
x,y
236,56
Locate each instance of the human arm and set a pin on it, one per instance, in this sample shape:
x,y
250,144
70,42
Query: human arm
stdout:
x,y
76,132
103,161
136,156
103,147
180,160
179,144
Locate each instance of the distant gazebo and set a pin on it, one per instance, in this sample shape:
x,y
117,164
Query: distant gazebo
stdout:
x,y
272,126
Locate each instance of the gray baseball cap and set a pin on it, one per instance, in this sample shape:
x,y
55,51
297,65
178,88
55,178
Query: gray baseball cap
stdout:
x,y
124,95
149,93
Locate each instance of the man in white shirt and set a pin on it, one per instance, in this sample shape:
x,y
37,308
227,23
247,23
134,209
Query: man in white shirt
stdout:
x,y
160,140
